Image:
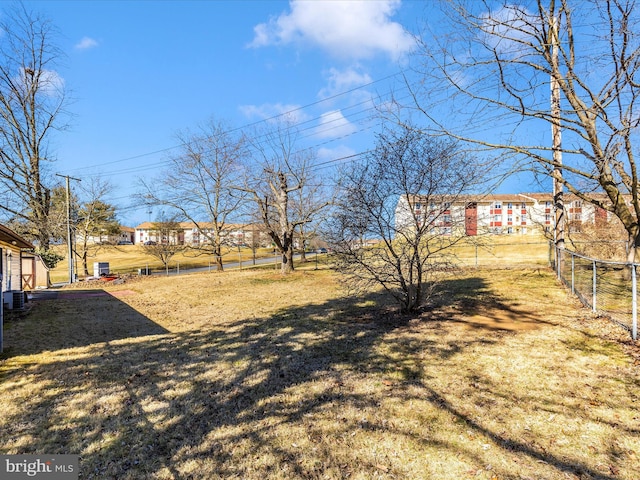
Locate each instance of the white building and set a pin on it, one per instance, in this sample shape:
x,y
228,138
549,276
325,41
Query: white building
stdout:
x,y
511,214
188,233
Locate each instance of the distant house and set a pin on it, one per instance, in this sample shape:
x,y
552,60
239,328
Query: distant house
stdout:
x,y
11,266
126,234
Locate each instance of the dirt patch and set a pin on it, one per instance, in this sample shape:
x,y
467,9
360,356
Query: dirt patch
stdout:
x,y
123,293
495,319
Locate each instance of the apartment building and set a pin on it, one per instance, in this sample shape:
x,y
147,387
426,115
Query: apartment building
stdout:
x,y
188,233
511,214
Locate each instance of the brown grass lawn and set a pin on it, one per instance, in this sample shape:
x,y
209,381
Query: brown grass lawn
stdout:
x,y
250,375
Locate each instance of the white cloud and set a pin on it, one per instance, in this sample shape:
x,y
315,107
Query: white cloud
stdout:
x,y
510,30
334,125
86,43
344,28
340,81
49,82
267,111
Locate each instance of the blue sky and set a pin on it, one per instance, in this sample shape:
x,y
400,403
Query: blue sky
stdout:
x,y
139,71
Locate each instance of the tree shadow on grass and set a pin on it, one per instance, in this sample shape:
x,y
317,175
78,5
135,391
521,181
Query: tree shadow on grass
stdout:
x,y
75,318
208,404
471,302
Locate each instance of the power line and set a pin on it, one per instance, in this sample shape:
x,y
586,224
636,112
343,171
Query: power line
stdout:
x,y
245,127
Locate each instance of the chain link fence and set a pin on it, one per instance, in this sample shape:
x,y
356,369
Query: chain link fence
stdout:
x,y
608,288
504,254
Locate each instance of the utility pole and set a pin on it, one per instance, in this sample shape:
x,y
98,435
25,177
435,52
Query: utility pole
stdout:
x,y
556,133
69,236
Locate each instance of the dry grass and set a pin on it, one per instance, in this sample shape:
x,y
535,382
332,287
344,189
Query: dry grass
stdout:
x,y
251,375
129,258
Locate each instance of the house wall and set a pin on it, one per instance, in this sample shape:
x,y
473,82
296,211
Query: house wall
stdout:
x,y
11,267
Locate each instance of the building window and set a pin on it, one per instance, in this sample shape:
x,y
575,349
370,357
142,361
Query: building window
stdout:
x,y
509,206
497,206
496,218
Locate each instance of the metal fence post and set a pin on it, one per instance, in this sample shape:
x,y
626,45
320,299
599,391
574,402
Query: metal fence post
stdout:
x,y
573,274
595,287
634,303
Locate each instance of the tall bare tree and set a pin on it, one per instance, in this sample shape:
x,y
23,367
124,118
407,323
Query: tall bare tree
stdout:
x,y
281,171
199,184
32,103
490,69
403,250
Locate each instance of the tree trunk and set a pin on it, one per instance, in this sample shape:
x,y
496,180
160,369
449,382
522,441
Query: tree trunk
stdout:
x,y
84,263
633,254
217,251
287,260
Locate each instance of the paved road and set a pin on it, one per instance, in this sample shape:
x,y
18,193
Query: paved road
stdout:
x,y
48,294
275,261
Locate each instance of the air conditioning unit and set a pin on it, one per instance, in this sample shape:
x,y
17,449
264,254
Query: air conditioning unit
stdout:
x,y
100,269
14,299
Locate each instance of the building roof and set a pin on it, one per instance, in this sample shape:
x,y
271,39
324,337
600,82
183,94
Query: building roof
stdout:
x,y
205,225
506,197
9,236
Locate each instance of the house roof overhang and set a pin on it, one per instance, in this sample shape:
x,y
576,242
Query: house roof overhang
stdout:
x,y
10,237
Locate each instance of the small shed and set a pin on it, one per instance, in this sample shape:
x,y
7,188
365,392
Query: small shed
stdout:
x,y
35,274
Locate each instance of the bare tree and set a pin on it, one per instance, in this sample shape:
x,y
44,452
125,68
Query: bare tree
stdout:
x,y
283,171
167,245
515,75
403,250
95,219
199,183
307,203
32,101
